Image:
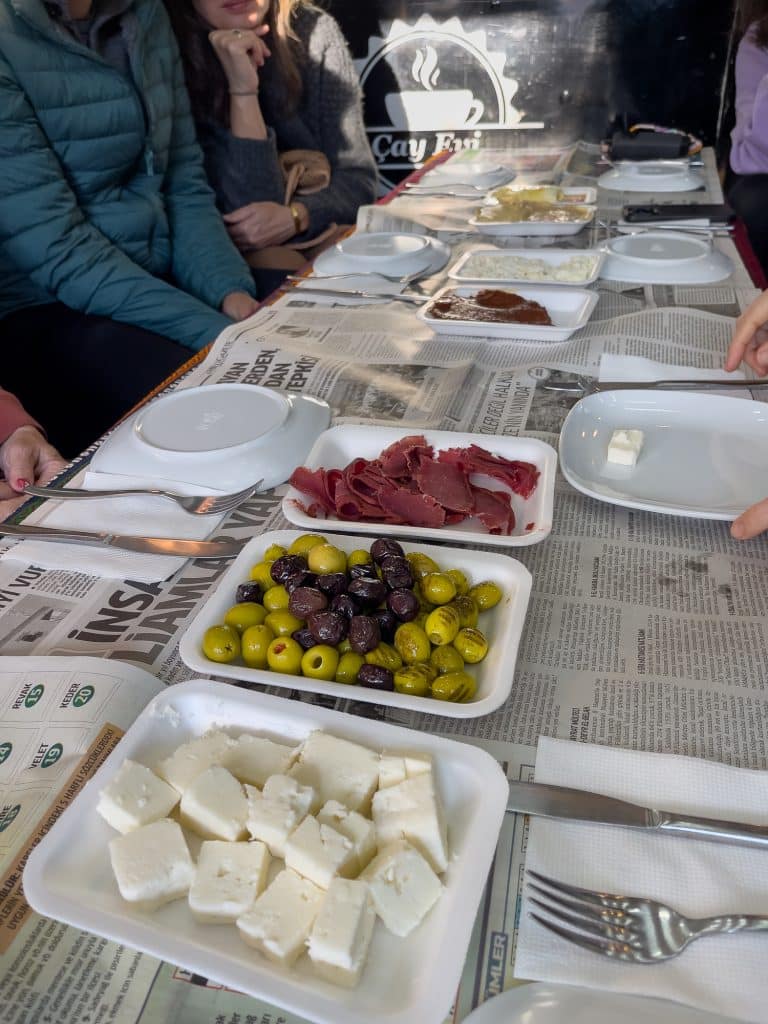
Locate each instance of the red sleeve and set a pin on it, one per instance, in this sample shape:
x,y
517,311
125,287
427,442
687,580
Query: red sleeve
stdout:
x,y
13,415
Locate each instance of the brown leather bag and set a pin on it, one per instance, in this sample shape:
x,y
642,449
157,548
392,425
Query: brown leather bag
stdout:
x,y
305,171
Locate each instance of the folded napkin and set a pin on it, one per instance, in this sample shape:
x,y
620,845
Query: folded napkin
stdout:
x,y
620,368
721,973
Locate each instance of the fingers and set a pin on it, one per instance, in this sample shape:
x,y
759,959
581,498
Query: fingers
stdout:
x,y
241,214
19,464
50,465
749,334
752,522
6,507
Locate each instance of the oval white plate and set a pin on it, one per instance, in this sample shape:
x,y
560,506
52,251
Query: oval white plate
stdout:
x,y
664,257
548,1003
334,262
466,268
652,176
502,625
703,455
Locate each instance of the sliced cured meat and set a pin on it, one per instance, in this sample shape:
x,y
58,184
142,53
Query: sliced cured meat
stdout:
x,y
493,509
319,484
520,477
446,483
416,509
403,456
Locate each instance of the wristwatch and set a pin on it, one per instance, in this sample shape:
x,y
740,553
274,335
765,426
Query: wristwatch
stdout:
x,y
296,218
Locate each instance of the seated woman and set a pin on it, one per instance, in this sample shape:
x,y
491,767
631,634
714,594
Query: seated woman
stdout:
x,y
749,140
114,263
25,455
266,77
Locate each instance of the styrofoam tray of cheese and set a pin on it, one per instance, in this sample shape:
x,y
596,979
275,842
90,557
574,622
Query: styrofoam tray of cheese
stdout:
x,y
409,980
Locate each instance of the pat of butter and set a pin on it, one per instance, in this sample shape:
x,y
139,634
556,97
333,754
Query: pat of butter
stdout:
x,y
275,811
152,864
215,805
624,447
193,758
279,922
228,879
135,797
404,888
337,769
339,941
319,853
411,810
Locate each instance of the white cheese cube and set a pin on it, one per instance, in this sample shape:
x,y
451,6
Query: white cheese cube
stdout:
x,y
319,853
624,447
337,769
411,810
275,811
339,941
253,759
152,864
135,796
228,879
394,768
359,830
192,758
279,922
215,805
403,886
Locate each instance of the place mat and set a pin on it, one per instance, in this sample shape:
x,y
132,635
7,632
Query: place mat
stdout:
x,y
721,973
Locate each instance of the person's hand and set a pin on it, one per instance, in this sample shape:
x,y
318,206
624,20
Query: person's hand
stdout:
x,y
752,522
260,224
239,305
25,458
241,52
750,338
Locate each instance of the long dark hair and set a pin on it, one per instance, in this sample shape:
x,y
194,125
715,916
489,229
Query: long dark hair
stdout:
x,y
753,11
206,81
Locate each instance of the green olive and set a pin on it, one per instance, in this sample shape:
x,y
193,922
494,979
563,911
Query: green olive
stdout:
x,y
345,647
438,588
471,645
245,614
349,665
221,643
487,594
254,643
446,659
442,625
301,545
261,573
273,552
412,643
424,604
455,686
359,557
422,617
414,679
276,597
421,564
459,580
325,558
284,654
282,622
386,656
467,608
320,662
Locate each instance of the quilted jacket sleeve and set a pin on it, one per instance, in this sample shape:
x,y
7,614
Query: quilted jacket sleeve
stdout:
x,y
45,233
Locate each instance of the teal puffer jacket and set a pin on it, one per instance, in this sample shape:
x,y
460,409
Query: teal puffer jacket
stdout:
x,y
103,198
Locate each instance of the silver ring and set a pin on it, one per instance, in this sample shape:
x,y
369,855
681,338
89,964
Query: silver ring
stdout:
x,y
237,33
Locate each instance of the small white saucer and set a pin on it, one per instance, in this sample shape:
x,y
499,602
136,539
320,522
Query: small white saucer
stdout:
x,y
664,257
652,176
219,437
435,257
386,250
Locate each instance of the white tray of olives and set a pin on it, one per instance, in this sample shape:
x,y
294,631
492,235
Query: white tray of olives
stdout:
x,y
453,655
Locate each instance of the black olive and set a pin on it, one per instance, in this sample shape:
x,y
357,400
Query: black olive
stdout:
x,y
396,573
327,627
368,593
403,604
305,600
303,578
250,591
332,583
286,566
387,624
383,547
364,634
364,571
345,605
304,638
376,677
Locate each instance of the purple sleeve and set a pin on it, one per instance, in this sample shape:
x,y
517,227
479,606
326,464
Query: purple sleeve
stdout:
x,y
749,138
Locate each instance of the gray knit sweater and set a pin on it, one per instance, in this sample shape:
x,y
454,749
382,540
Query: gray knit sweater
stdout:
x,y
328,118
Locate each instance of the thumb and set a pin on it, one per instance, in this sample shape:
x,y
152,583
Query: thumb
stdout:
x,y
752,522
19,467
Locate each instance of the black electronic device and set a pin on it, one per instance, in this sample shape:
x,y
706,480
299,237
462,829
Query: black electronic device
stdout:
x,y
648,213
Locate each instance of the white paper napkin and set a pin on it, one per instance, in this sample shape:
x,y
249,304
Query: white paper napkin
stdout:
x,y
721,973
619,368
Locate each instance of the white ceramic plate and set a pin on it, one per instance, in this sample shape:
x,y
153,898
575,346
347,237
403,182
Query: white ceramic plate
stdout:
x,y
652,176
337,447
477,170
68,875
502,625
535,227
703,455
569,310
333,262
578,195
390,251
219,437
664,257
500,266
548,1003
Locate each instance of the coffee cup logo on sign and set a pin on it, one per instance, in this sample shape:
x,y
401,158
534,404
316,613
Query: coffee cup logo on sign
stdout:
x,y
432,86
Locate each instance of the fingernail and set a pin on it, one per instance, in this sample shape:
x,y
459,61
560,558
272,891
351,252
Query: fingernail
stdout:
x,y
21,483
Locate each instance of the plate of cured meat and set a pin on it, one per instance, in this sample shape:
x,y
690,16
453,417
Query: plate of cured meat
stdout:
x,y
440,484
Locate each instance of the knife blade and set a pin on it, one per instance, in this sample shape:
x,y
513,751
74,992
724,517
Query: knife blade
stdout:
x,y
228,547
344,293
578,805
590,387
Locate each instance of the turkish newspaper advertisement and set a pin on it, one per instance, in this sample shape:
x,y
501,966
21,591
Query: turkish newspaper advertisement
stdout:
x,y
643,630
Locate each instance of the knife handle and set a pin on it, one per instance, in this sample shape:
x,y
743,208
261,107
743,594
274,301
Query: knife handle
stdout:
x,y
712,829
51,533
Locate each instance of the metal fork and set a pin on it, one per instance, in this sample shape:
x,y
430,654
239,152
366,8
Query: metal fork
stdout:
x,y
631,928
583,386
195,504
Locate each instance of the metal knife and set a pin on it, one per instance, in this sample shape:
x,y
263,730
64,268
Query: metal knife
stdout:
x,y
584,386
561,802
227,548
343,293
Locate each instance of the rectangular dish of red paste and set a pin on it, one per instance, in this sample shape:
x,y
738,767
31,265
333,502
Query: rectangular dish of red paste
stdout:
x,y
490,305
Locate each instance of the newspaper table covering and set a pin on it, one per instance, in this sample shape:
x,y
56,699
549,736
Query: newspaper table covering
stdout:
x,y
643,631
